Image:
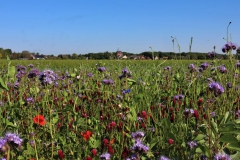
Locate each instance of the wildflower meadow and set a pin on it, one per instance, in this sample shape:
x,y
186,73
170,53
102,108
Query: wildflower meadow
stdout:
x,y
120,109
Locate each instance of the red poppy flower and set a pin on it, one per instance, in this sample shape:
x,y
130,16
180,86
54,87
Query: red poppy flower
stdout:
x,y
39,119
86,135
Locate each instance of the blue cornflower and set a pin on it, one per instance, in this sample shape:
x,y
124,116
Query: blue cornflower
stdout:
x,y
126,91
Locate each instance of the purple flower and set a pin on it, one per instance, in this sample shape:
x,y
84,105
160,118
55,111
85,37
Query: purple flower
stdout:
x,y
213,114
1,104
21,68
3,141
34,73
191,66
101,69
211,54
178,97
229,85
30,100
137,135
108,81
125,73
238,50
16,84
222,156
216,88
31,142
204,65
30,65
237,65
132,157
105,156
200,69
203,157
167,68
47,77
13,137
192,144
164,158
223,69
229,46
224,49
139,147
90,75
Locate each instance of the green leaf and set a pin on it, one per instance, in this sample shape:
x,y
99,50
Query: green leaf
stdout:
x,y
10,124
234,146
73,75
2,84
154,142
226,117
131,81
214,126
94,143
235,156
237,121
55,118
228,139
11,71
198,150
199,137
20,158
133,113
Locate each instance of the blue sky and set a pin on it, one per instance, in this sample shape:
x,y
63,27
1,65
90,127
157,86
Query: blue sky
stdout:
x,y
83,26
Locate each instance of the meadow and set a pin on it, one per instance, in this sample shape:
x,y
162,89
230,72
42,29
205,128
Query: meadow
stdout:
x,y
119,109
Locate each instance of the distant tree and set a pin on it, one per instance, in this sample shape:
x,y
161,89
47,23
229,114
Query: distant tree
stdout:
x,y
193,56
74,56
201,56
8,51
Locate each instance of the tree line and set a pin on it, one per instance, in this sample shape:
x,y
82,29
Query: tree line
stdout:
x,y
112,55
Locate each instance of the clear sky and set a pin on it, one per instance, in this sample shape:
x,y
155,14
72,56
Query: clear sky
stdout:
x,y
83,26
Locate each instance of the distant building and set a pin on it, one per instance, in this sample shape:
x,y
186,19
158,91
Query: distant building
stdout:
x,y
119,54
124,57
